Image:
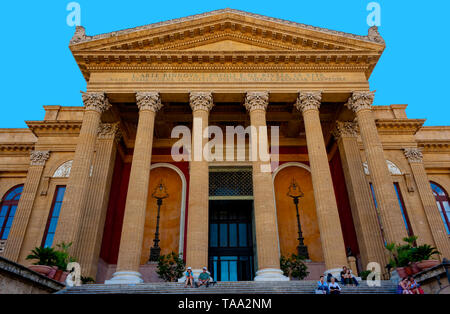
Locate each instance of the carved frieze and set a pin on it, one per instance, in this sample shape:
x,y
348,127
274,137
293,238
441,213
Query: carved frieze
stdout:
x,y
201,101
256,101
63,171
309,101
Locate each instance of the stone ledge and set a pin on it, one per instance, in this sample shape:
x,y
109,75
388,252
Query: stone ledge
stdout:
x,y
13,273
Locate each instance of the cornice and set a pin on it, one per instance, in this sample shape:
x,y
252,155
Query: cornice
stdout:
x,y
437,146
399,126
54,128
81,38
17,148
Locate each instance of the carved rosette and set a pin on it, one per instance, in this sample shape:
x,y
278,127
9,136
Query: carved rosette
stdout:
x,y
360,100
39,158
201,101
308,101
256,101
149,101
96,102
414,155
109,131
345,129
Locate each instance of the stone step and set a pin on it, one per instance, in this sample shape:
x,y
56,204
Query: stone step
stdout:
x,y
293,287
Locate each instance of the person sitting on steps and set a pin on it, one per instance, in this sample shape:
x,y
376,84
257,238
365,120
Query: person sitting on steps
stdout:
x,y
334,286
189,278
204,278
347,277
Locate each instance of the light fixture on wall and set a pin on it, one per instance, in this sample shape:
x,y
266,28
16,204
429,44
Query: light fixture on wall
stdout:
x,y
296,193
160,193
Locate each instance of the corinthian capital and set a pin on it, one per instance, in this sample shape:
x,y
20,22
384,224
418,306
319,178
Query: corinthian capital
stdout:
x,y
345,129
201,101
149,101
109,131
39,158
308,100
96,102
256,101
360,100
414,155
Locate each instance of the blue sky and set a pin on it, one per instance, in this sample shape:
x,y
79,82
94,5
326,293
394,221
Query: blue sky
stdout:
x,y
38,69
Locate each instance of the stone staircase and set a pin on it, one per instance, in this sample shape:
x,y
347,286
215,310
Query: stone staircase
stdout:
x,y
247,288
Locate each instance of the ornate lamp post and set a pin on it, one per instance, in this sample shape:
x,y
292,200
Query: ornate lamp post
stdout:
x,y
295,193
160,193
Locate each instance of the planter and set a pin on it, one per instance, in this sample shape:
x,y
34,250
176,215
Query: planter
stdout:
x,y
408,271
58,275
401,272
63,277
428,264
415,268
44,270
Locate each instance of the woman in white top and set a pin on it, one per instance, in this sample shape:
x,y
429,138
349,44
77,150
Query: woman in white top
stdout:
x,y
334,286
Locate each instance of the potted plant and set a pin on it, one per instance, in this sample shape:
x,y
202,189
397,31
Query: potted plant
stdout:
x,y
422,256
294,267
46,261
50,262
170,267
400,258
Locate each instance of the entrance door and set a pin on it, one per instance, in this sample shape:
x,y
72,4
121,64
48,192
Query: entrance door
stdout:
x,y
231,240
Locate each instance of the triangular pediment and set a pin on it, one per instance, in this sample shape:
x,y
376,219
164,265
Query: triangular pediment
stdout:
x,y
226,29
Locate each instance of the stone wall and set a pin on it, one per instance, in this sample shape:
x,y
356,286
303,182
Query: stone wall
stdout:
x,y
17,279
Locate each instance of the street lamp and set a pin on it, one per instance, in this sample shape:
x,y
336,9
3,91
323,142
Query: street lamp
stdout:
x,y
295,193
160,193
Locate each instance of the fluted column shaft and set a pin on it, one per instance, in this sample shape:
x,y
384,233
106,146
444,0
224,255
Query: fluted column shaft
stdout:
x,y
266,228
327,211
25,207
78,184
93,220
198,213
135,209
387,201
364,214
442,242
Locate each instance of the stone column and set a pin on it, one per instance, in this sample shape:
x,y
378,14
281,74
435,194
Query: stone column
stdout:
x,y
78,184
93,220
267,244
442,242
198,209
327,211
130,251
387,201
365,218
25,207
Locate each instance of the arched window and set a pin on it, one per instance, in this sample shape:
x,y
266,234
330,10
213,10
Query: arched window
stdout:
x,y
443,203
8,210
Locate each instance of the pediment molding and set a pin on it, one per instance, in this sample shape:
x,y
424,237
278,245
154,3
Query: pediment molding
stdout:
x,y
52,128
156,36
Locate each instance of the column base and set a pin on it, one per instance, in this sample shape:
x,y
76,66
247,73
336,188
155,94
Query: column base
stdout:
x,y
270,274
125,278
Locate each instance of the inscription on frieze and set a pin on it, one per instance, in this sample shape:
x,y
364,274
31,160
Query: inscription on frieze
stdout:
x,y
226,77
